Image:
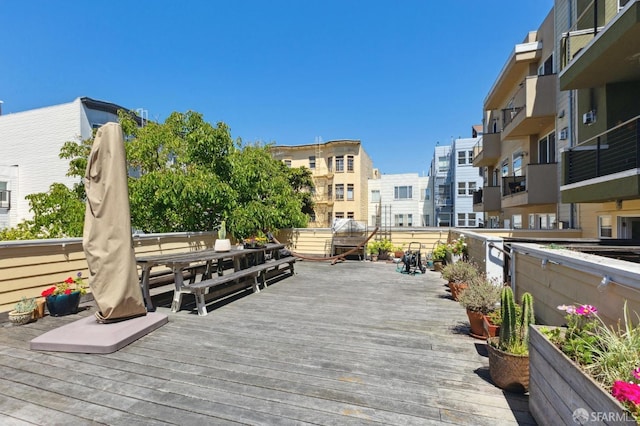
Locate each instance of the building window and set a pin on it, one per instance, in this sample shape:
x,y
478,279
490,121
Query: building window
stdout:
x,y
516,221
462,188
329,192
462,220
443,163
547,149
339,215
517,164
471,188
425,220
375,195
444,219
399,220
350,192
350,215
287,163
330,164
312,162
605,229
471,219
470,156
312,217
426,194
350,163
4,196
339,192
403,192
329,218
340,163
462,157
505,168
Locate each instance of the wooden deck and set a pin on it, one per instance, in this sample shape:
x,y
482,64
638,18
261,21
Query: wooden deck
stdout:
x,y
353,343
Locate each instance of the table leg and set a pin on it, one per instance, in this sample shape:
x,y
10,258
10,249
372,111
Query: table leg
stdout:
x,y
177,293
144,286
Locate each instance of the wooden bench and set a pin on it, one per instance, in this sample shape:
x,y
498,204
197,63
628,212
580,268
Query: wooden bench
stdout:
x,y
199,289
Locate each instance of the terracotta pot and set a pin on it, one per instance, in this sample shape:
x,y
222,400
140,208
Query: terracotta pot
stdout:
x,y
490,329
456,288
476,323
398,254
508,371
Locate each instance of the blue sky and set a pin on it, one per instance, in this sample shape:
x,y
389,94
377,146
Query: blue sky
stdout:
x,y
398,75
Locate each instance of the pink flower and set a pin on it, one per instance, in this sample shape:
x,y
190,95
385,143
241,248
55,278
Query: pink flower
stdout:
x,y
636,373
625,391
586,310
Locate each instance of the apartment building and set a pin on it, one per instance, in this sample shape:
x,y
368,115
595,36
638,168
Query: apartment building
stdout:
x,y
31,142
517,151
340,171
400,200
442,175
599,60
466,180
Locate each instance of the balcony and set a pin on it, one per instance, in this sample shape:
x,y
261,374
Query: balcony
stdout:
x,y
539,186
534,107
589,52
605,167
487,151
487,199
5,199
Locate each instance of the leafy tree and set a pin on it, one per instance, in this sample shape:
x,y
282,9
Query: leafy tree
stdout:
x,y
265,197
185,175
57,213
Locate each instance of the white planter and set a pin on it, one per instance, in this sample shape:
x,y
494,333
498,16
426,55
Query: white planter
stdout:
x,y
222,245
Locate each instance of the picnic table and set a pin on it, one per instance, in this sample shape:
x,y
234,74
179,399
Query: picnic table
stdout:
x,y
247,262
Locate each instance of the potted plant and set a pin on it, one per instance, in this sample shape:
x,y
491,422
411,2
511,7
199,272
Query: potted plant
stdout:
x,y
398,252
380,249
599,364
456,249
509,353
222,243
458,276
480,297
491,323
23,311
64,298
438,255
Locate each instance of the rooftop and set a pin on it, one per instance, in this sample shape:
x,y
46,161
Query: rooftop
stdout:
x,y
351,343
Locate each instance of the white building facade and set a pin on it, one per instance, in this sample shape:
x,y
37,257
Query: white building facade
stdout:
x,y
466,180
31,142
400,200
442,183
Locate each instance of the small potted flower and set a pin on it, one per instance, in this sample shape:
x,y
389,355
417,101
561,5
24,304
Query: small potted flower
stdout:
x,y
64,298
23,311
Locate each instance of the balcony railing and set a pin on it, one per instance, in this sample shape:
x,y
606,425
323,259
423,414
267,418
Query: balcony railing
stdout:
x,y
616,150
477,196
5,199
513,185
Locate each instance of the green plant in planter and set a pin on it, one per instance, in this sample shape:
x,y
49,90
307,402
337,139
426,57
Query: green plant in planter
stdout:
x,y
460,272
222,232
514,330
25,305
481,295
382,246
439,252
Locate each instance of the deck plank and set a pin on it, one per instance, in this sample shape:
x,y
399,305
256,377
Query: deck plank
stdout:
x,y
352,343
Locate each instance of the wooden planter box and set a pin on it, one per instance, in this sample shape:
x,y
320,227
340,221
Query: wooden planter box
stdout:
x,y
559,390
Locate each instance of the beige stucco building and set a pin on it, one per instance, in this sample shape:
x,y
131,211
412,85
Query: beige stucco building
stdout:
x,y
340,171
518,147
